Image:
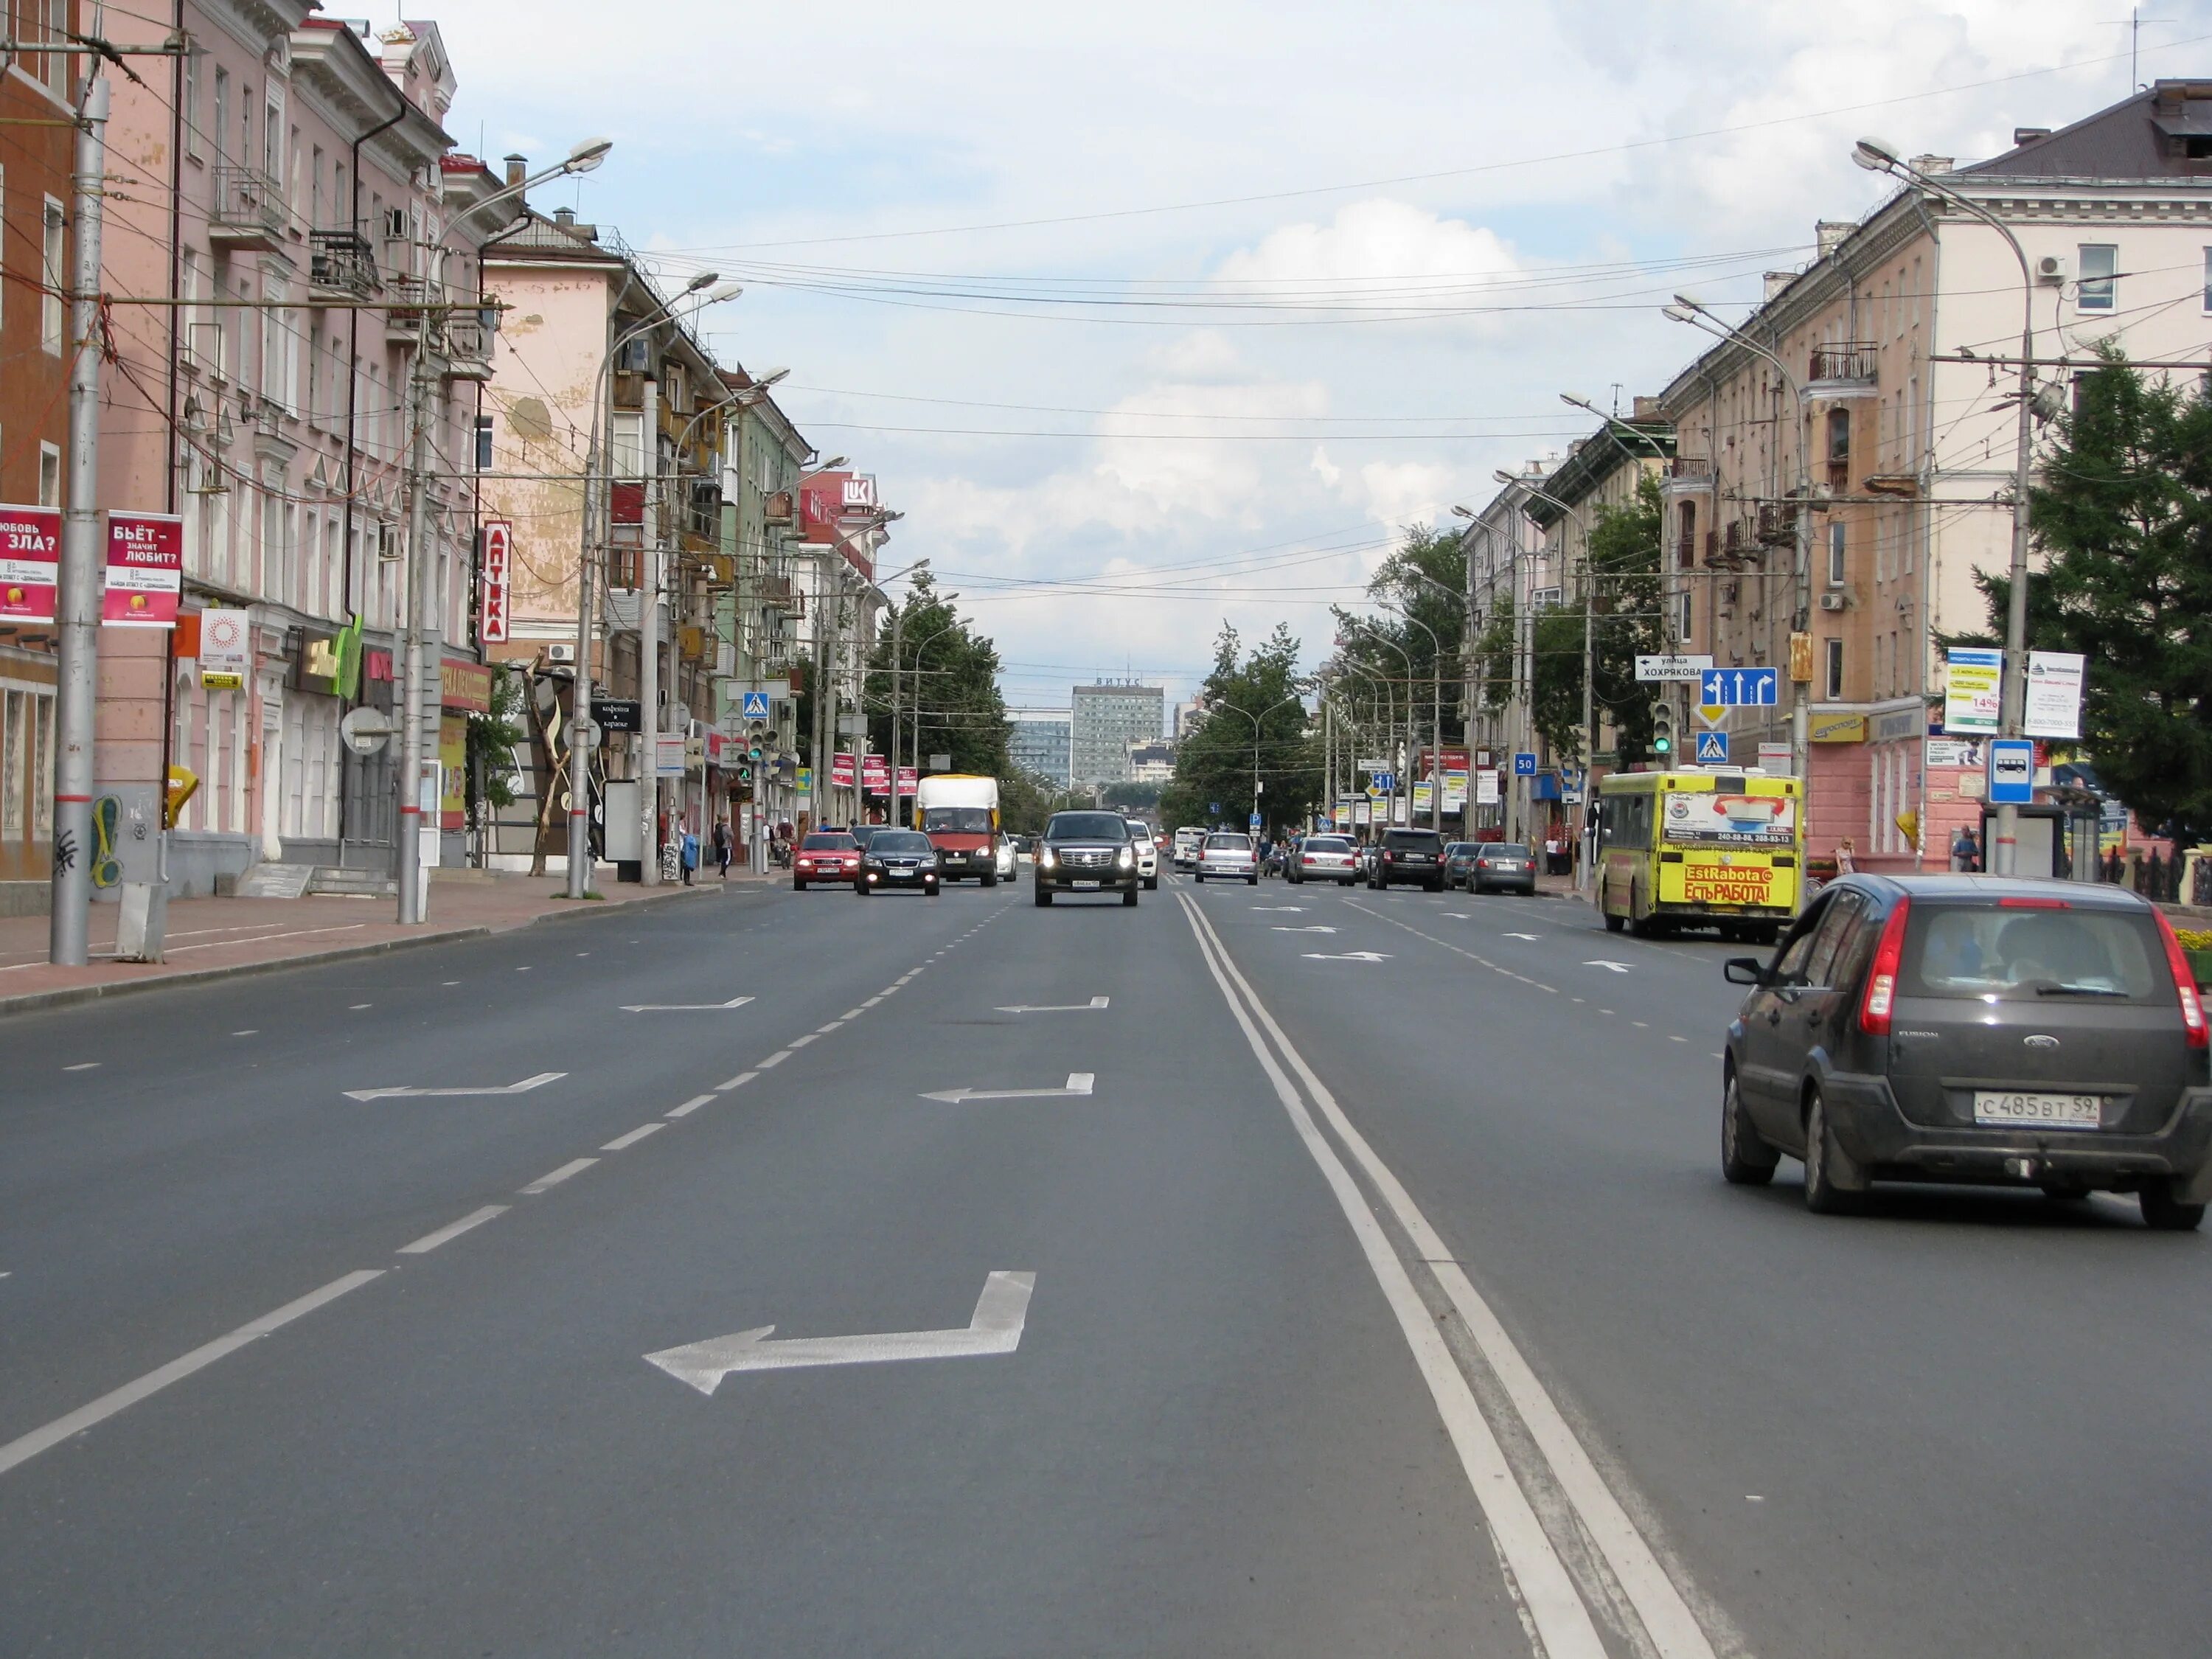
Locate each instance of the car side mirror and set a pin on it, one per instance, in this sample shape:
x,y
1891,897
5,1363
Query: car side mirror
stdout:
x,y
1744,970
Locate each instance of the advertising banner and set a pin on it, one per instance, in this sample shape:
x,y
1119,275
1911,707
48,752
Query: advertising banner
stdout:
x,y
1973,692
2054,695
672,756
840,771
908,780
821,506
465,685
226,654
30,563
1711,818
875,775
145,570
1707,881
498,559
1485,788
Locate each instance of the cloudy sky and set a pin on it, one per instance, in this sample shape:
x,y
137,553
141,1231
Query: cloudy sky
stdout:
x,y
1153,316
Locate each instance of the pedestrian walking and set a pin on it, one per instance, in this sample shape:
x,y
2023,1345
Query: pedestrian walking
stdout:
x,y
1846,857
1965,849
723,845
689,855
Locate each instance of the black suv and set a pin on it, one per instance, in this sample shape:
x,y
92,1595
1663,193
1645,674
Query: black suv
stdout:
x,y
1973,1029
1086,853
1408,855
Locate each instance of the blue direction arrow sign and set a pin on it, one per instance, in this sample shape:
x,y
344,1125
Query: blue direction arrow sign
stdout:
x,y
1524,764
756,706
1712,748
1722,688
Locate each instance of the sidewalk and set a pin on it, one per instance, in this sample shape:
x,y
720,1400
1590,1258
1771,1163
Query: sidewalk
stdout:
x,y
216,938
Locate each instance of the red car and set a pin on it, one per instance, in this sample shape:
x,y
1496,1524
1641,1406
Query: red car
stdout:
x,y
826,855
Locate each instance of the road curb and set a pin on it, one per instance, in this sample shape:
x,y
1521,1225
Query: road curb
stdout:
x,y
64,996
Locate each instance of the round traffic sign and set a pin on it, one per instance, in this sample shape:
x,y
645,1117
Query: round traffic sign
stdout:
x,y
366,730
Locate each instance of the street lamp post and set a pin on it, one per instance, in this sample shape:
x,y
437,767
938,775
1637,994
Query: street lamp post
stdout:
x,y
1589,664
1412,731
1876,157
1436,719
1258,721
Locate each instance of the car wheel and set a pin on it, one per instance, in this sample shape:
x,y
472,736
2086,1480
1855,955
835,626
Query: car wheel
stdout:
x,y
929,889
1613,924
862,888
991,879
1043,897
1152,883
1746,1160
2163,1212
1833,1185
1128,898
1435,886
799,884
1199,875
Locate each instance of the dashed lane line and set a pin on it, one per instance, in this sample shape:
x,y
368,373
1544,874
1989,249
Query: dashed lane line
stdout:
x,y
623,1142
554,1177
430,1242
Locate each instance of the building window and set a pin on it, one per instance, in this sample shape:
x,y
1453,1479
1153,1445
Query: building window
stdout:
x,y
50,476
2207,279
53,314
192,110
627,447
483,443
220,127
1835,554
1835,672
2099,289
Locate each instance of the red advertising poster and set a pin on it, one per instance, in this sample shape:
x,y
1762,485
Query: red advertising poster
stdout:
x,y
840,771
145,570
875,775
30,563
821,505
906,780
498,558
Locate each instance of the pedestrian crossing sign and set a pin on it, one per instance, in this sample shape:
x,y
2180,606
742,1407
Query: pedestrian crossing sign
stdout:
x,y
1712,748
756,706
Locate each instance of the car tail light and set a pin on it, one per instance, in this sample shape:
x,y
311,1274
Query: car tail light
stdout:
x,y
2185,983
1387,856
1880,996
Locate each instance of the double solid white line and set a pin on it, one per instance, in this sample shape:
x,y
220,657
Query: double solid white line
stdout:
x,y
1556,1607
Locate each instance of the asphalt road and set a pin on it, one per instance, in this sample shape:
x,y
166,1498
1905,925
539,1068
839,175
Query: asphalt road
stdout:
x,y
1363,1291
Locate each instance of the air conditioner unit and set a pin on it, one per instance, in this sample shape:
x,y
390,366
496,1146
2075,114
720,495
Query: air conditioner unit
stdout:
x,y
2053,268
559,653
1838,600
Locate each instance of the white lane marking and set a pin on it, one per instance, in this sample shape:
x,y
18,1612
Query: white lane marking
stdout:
x,y
355,1008
1054,1007
555,1178
1457,950
1294,909
1641,1025
1562,1622
1532,937
1666,1615
873,1000
683,1007
1349,956
801,1042
851,1013
1610,966
265,938
251,1030
694,1104
1311,927
83,1066
824,1030
623,1142
521,1088
430,1242
773,1060
523,968
736,1082
1079,1084
26,1447
1678,1039
449,981
995,1327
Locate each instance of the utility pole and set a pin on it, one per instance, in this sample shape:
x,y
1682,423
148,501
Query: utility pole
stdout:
x,y
649,645
78,664
414,906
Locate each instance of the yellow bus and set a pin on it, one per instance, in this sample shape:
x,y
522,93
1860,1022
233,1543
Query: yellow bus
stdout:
x,y
1700,849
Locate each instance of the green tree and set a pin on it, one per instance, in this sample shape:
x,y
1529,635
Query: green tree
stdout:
x,y
1255,729
1026,800
2124,516
949,698
1624,554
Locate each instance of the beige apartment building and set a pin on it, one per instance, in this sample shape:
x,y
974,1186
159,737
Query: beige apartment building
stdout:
x,y
1894,402
304,225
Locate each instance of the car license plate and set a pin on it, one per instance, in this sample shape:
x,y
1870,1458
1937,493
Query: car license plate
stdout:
x,y
1086,886
2044,1111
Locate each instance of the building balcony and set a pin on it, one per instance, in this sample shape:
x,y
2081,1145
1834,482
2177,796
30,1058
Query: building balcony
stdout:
x,y
341,268
1687,475
247,213
1845,369
465,342
409,302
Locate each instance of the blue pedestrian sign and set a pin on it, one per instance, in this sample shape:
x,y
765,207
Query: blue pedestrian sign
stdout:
x,y
1724,688
2012,772
756,706
1712,748
1524,764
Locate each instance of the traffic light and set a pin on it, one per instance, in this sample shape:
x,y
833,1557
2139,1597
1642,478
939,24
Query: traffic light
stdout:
x,y
1663,733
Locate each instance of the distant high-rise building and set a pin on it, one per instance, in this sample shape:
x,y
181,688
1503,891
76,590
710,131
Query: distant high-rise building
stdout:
x,y
1040,740
1108,719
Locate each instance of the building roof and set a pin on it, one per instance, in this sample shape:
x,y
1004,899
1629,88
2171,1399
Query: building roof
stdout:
x,y
2163,132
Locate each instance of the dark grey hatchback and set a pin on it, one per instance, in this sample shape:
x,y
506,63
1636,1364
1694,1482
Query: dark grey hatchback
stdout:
x,y
1973,1029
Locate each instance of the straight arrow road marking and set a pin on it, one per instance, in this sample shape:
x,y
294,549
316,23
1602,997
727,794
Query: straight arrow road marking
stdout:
x,y
1532,938
1311,927
1610,966
1288,909
1054,1007
1079,1083
1349,956
521,1088
996,1329
682,1007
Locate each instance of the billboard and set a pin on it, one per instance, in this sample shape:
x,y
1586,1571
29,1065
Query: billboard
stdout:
x,y
498,559
1973,692
30,563
822,507
145,570
1711,818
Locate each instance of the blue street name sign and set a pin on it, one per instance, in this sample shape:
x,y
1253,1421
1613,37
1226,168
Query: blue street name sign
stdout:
x,y
1524,764
756,706
2012,771
1724,688
1712,748
1381,783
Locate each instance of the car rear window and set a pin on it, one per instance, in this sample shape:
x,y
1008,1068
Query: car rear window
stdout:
x,y
1086,826
2006,954
1414,841
1327,844
827,841
1229,843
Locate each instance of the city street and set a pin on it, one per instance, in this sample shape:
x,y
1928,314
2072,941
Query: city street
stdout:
x,y
1274,1270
